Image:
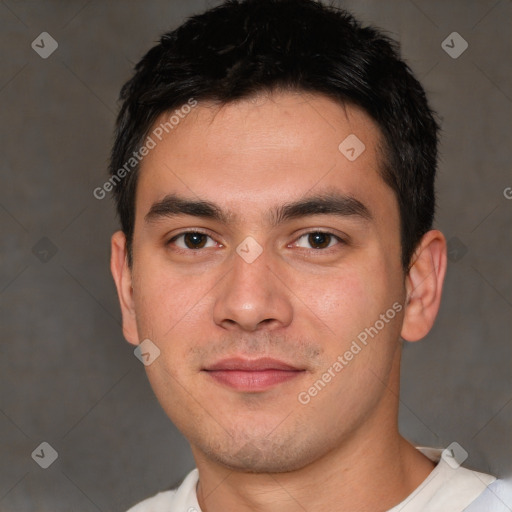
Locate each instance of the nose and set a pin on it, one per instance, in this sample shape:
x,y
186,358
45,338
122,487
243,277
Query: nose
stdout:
x,y
252,297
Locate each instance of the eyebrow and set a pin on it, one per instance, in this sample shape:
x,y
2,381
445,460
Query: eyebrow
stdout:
x,y
173,205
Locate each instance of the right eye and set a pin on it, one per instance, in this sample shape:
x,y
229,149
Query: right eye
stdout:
x,y
191,240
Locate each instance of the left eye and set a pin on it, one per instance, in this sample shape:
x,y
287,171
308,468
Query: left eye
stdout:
x,y
192,240
318,240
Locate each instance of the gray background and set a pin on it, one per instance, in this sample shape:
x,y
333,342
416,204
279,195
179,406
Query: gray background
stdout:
x,y
67,377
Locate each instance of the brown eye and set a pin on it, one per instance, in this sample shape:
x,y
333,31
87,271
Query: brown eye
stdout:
x,y
194,240
318,240
191,240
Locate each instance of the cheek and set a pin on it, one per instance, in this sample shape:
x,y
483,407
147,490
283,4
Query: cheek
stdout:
x,y
173,310
353,299
337,299
161,297
348,296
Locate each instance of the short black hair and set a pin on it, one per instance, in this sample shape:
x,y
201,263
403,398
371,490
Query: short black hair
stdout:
x,y
244,47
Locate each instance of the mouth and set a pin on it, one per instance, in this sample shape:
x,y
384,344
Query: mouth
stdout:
x,y
252,375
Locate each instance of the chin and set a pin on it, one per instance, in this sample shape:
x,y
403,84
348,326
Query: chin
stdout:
x,y
264,456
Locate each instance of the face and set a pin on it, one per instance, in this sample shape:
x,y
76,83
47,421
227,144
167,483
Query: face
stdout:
x,y
267,271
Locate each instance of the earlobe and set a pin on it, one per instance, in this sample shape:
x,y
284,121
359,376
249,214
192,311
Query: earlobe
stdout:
x,y
424,285
123,279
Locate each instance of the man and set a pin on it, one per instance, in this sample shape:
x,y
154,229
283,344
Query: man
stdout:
x,y
274,170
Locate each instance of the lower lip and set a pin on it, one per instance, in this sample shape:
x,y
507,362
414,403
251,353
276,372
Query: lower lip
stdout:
x,y
253,380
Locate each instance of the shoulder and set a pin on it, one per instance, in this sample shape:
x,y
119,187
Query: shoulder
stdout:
x,y
182,499
497,497
158,503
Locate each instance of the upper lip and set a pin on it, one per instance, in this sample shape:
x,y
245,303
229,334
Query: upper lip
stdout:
x,y
250,365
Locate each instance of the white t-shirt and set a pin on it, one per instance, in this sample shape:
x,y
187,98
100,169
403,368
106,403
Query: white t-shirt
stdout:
x,y
448,488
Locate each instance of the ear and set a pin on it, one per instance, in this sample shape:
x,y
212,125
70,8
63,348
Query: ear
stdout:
x,y
123,278
424,286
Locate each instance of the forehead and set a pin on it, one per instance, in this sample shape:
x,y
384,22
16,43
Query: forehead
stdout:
x,y
270,148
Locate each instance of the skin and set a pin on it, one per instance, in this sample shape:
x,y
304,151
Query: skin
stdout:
x,y
296,302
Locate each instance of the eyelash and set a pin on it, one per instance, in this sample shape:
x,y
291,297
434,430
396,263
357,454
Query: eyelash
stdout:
x,y
319,231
